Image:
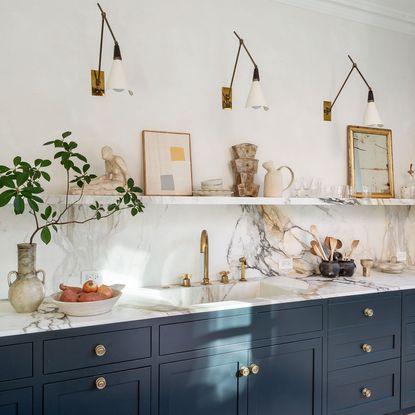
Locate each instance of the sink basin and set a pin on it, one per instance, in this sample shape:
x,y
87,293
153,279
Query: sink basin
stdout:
x,y
178,296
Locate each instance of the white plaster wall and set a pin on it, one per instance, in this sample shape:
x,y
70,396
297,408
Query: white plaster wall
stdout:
x,y
178,54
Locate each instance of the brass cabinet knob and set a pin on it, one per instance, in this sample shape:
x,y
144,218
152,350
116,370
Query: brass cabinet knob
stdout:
x,y
368,312
254,369
367,393
244,371
100,350
101,383
367,348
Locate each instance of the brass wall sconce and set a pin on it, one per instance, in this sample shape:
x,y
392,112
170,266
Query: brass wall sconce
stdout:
x,y
116,79
372,117
256,98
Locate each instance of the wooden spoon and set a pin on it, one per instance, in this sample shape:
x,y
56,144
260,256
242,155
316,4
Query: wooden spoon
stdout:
x,y
333,247
327,242
354,245
314,232
315,250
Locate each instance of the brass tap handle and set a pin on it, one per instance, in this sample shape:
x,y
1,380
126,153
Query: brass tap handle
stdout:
x,y
242,261
101,383
368,312
366,392
186,280
100,350
367,348
224,277
244,371
254,369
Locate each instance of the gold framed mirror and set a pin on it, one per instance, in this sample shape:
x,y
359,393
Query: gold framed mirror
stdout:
x,y
370,162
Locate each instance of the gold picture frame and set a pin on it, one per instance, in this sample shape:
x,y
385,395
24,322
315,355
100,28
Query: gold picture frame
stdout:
x,y
370,162
167,163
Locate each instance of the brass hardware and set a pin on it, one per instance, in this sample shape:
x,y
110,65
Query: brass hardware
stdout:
x,y
254,369
244,371
367,348
224,277
101,383
327,110
204,249
100,350
226,98
367,393
368,312
242,261
186,280
97,83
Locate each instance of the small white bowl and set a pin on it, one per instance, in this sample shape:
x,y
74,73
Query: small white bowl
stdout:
x,y
92,308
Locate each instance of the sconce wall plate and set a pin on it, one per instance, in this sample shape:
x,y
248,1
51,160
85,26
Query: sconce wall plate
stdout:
x,y
97,83
327,110
226,98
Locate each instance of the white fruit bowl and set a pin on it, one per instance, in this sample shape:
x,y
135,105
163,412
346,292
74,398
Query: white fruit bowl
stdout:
x,y
92,308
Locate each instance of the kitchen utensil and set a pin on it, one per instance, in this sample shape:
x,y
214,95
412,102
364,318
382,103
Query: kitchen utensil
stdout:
x,y
314,232
333,246
354,245
327,242
315,250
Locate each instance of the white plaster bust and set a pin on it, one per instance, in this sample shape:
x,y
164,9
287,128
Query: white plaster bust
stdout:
x,y
116,174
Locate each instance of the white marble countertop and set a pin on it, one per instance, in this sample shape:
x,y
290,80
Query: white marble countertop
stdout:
x,y
129,308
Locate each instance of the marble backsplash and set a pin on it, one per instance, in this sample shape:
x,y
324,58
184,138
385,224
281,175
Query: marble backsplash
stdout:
x,y
159,245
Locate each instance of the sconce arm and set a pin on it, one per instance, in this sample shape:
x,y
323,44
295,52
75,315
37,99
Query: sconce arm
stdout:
x,y
241,44
104,17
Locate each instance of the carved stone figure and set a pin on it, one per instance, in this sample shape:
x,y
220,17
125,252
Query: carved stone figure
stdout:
x,y
116,175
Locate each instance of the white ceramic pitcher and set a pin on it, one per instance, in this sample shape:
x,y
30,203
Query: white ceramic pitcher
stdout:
x,y
273,183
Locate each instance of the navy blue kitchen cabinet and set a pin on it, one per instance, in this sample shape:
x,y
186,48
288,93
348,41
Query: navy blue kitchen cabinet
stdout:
x,y
288,381
16,402
345,356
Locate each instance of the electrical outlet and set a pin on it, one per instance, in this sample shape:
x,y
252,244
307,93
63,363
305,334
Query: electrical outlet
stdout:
x,y
96,276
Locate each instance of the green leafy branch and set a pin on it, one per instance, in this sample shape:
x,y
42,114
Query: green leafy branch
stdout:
x,y
22,185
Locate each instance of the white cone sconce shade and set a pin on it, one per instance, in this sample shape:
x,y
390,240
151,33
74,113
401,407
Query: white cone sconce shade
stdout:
x,y
116,79
256,98
372,117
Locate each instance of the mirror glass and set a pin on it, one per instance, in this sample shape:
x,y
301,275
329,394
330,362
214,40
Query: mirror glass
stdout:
x,y
371,161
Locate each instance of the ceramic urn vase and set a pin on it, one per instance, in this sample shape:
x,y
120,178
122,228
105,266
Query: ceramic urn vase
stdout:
x,y
27,291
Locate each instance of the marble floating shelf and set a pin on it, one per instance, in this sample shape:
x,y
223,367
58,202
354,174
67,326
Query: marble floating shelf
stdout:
x,y
270,201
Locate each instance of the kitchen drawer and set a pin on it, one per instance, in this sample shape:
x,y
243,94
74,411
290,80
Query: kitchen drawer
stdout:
x,y
384,308
244,328
121,393
16,402
16,361
346,389
363,345
81,351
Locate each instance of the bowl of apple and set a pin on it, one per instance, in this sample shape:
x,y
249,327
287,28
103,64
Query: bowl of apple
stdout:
x,y
89,300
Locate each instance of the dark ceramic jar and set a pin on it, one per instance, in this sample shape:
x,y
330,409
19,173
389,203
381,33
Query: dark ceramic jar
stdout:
x,y
329,269
347,268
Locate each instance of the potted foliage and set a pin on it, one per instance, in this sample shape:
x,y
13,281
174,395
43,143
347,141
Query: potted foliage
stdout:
x,y
21,184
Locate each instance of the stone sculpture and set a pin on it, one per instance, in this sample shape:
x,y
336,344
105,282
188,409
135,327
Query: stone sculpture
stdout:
x,y
245,166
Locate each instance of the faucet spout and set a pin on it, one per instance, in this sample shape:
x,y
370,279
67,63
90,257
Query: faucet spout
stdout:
x,y
204,249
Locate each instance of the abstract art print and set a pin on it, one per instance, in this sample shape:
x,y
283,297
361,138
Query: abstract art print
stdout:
x,y
167,164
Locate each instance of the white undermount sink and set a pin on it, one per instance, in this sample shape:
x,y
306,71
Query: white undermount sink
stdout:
x,y
177,296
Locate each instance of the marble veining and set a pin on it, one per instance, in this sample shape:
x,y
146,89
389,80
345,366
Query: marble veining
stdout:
x,y
132,308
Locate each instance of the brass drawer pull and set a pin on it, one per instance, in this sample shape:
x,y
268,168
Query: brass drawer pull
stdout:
x,y
254,369
367,348
100,350
101,383
367,393
244,371
368,312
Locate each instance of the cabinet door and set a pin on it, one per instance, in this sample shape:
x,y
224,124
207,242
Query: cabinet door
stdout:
x,y
202,386
288,381
16,402
123,393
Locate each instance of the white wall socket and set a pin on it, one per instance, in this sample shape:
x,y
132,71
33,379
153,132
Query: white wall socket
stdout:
x,y
97,276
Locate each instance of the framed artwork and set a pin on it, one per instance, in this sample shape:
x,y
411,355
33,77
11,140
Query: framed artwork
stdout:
x,y
167,164
370,161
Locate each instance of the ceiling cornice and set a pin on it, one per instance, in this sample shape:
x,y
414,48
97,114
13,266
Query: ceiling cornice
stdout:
x,y
362,11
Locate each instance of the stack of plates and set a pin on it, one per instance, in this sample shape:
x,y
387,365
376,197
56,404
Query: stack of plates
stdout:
x,y
213,187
